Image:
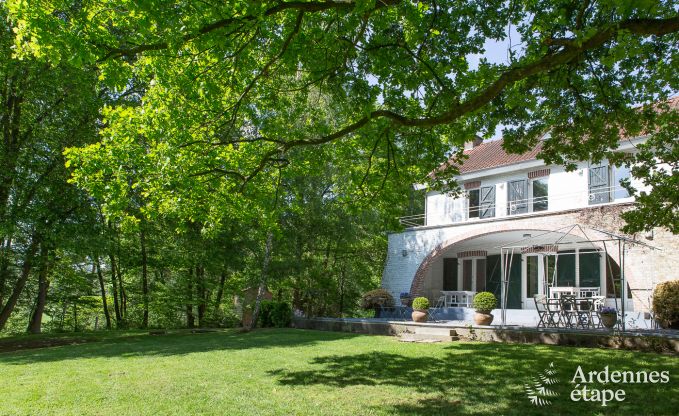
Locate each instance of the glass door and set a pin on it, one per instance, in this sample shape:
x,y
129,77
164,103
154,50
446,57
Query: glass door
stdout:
x,y
533,281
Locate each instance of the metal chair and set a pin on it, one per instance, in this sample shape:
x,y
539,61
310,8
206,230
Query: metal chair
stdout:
x,y
541,308
584,313
553,313
436,312
568,310
598,302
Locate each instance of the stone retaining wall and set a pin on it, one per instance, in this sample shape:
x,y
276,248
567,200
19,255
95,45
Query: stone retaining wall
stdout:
x,y
642,341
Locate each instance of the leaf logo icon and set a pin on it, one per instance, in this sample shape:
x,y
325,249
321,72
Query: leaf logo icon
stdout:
x,y
537,392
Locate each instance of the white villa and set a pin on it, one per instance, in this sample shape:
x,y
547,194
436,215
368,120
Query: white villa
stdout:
x,y
453,250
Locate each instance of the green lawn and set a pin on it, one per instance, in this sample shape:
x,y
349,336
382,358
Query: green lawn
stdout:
x,y
308,372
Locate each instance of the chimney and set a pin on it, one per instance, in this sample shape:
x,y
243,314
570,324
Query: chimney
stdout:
x,y
473,143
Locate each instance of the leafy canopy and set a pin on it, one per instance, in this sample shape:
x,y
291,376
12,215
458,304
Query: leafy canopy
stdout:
x,y
225,90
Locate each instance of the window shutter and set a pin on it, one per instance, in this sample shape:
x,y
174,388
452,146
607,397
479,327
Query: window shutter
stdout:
x,y
517,197
488,201
599,185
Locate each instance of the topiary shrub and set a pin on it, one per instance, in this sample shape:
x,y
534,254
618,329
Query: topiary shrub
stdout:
x,y
666,304
421,304
274,314
377,299
484,302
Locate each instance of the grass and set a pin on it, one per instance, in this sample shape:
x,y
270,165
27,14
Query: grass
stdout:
x,y
286,371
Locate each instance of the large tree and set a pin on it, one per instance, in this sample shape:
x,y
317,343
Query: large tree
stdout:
x,y
228,89
44,108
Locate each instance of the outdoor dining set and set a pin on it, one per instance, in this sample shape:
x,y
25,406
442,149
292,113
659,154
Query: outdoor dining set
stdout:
x,y
565,309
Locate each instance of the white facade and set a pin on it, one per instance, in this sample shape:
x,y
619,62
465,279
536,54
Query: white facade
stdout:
x,y
566,191
455,227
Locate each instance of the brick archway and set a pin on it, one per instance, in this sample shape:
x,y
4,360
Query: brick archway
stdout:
x,y
437,252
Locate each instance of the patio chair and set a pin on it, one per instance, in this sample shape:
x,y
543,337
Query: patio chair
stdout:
x,y
541,308
553,313
436,312
568,311
598,302
584,313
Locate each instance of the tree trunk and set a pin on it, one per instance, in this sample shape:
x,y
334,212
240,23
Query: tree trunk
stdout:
x,y
220,294
75,317
123,295
262,280
21,282
144,279
341,291
114,287
190,320
4,266
35,324
200,289
102,287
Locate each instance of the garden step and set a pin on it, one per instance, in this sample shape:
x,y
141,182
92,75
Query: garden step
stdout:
x,y
410,337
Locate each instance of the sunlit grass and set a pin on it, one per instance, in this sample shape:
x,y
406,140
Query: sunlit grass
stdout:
x,y
288,371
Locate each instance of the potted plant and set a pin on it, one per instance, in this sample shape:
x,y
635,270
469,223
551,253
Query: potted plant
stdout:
x,y
484,303
405,299
420,309
609,316
377,299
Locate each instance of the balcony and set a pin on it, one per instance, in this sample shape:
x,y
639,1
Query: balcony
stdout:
x,y
418,220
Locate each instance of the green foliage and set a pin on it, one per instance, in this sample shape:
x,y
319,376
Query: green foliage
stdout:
x,y
221,95
378,298
421,303
274,314
206,127
227,319
484,302
666,304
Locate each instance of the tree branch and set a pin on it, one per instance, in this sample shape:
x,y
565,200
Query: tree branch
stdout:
x,y
301,6
571,51
265,68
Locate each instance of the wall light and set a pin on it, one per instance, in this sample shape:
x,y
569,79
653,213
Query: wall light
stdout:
x,y
404,253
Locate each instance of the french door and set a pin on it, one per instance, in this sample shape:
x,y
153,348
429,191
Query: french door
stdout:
x,y
533,278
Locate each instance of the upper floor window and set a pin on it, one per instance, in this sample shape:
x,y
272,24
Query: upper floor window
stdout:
x,y
517,200
481,202
599,185
473,196
621,173
540,194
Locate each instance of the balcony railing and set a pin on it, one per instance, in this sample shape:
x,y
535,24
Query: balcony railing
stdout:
x,y
510,208
413,220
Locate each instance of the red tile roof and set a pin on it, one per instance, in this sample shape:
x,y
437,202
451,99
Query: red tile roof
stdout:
x,y
491,154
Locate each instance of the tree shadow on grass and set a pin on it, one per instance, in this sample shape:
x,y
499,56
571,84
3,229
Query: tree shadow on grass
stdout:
x,y
476,378
175,344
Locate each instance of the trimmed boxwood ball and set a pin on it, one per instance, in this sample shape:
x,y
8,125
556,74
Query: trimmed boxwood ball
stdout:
x,y
421,304
666,304
484,302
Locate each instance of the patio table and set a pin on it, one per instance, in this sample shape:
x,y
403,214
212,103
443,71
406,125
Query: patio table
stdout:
x,y
558,291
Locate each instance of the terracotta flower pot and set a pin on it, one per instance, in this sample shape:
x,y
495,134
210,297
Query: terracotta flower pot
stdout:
x,y
419,315
481,318
609,319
